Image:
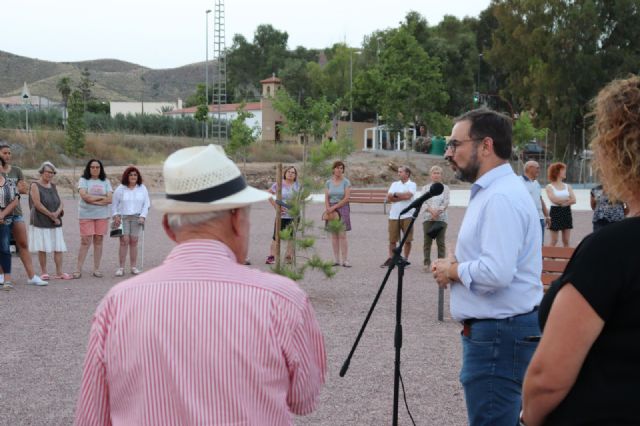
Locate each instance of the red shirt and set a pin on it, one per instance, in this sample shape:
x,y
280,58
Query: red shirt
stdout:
x,y
202,339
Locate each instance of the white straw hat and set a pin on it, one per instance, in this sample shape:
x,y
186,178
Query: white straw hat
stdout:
x,y
203,179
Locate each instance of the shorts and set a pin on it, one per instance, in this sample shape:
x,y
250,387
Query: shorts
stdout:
x,y
89,227
130,226
284,222
18,218
394,229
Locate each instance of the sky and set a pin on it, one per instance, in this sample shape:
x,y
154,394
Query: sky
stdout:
x,y
167,34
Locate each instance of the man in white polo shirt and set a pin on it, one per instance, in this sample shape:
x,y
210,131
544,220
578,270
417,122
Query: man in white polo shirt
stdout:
x,y
400,194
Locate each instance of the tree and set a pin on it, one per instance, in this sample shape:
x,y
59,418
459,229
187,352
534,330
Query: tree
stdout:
x,y
524,132
75,137
242,136
64,87
85,86
312,118
404,85
309,119
202,116
453,42
557,54
198,97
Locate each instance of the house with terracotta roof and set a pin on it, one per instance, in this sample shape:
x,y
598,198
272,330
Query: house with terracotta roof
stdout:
x,y
265,117
268,120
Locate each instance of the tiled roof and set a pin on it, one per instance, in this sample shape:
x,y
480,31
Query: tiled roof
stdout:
x,y
272,79
250,106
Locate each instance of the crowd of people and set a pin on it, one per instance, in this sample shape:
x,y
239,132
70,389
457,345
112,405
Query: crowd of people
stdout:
x,y
566,357
99,210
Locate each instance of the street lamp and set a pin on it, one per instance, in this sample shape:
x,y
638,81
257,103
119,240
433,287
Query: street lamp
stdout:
x,y
206,73
479,65
351,90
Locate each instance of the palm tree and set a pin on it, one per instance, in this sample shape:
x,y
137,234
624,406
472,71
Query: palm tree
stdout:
x,y
64,87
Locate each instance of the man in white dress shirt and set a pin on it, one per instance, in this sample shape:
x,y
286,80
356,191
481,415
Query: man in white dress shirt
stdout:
x,y
495,274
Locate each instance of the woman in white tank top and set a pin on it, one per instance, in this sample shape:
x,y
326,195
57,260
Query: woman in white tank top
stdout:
x,y
562,197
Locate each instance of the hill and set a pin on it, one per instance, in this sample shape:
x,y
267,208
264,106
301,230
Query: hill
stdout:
x,y
115,80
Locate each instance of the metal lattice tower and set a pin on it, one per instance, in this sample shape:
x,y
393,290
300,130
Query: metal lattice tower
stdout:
x,y
220,73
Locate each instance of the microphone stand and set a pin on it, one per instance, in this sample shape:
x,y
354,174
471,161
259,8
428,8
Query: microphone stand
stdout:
x,y
401,263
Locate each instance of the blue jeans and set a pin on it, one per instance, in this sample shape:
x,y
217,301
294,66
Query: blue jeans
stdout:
x,y
494,359
5,242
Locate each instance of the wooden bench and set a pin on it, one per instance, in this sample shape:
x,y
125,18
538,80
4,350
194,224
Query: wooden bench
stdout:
x,y
369,196
554,262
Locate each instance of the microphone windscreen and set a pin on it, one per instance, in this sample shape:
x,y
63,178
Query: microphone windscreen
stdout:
x,y
436,188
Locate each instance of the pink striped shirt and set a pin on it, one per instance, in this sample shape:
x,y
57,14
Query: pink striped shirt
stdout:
x,y
202,340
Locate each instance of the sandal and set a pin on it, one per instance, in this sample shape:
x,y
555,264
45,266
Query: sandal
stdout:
x,y
46,277
98,274
63,276
76,275
346,264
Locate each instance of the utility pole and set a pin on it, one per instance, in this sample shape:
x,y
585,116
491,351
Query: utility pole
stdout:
x,y
206,72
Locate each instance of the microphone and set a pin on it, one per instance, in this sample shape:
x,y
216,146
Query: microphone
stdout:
x,y
435,190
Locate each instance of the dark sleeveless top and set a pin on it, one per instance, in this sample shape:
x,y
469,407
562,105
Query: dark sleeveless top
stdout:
x,y
51,200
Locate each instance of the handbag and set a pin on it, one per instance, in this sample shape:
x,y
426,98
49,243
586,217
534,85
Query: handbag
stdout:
x,y
117,231
330,216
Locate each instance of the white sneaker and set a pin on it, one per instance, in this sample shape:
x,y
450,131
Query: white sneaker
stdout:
x,y
119,272
135,271
36,280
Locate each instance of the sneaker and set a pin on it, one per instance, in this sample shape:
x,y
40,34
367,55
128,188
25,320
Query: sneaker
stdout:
x,y
7,286
386,263
135,271
36,280
119,272
270,260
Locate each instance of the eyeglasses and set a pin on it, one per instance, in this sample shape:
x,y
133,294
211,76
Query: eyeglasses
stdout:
x,y
49,171
454,143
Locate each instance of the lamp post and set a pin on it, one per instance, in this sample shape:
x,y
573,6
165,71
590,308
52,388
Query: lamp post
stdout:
x,y
479,65
206,72
351,91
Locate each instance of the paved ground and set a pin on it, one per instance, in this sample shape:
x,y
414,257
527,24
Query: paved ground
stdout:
x,y
43,331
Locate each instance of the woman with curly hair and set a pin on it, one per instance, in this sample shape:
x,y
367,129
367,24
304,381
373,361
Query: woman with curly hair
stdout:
x,y
130,207
585,369
562,197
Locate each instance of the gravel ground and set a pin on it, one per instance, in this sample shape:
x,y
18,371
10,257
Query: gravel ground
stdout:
x,y
43,331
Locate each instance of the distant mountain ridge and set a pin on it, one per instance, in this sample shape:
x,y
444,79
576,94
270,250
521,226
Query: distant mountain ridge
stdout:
x,y
115,80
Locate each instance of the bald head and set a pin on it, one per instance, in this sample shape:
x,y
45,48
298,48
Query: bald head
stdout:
x,y
532,169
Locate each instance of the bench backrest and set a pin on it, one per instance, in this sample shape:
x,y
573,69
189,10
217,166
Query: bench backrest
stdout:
x,y
554,262
367,195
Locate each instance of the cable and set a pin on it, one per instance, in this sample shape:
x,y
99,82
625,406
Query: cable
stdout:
x,y
406,404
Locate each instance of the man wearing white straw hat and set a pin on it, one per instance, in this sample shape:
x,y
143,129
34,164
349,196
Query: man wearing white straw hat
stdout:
x,y
203,339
